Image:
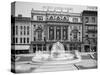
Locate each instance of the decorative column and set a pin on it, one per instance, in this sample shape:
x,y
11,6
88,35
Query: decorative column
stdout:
x,y
36,48
48,32
82,45
42,48
68,47
90,47
55,33
61,33
43,36
31,49
47,48
36,36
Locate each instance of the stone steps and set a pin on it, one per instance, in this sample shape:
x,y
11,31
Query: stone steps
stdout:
x,y
55,67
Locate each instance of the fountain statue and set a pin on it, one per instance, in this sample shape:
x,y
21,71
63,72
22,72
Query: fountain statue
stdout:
x,y
58,52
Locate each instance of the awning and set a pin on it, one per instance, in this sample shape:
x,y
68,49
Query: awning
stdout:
x,y
20,47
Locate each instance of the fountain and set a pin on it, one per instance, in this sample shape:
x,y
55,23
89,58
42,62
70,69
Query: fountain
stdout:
x,y
57,53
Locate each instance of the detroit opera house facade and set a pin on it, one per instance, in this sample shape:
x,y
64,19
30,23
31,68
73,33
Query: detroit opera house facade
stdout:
x,y
44,28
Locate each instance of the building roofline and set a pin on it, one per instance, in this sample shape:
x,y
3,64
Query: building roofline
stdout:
x,y
54,12
22,19
88,12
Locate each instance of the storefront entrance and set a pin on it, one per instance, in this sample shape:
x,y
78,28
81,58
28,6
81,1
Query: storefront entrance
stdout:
x,y
39,47
87,48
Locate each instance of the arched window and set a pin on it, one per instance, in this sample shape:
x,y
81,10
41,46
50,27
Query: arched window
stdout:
x,y
64,18
39,35
39,32
58,18
51,18
74,33
51,33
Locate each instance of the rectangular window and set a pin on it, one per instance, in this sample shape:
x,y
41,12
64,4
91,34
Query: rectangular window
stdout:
x,y
24,30
21,29
13,30
40,18
27,30
20,32
75,19
86,19
24,40
65,33
51,33
16,30
93,19
34,38
27,40
79,33
13,40
16,40
58,32
20,40
39,35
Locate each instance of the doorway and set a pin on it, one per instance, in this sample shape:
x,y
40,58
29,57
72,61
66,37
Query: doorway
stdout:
x,y
87,48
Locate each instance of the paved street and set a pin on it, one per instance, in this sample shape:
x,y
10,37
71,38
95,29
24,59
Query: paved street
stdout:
x,y
25,64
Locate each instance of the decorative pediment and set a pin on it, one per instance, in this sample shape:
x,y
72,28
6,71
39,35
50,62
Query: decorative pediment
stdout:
x,y
74,31
51,18
58,18
39,28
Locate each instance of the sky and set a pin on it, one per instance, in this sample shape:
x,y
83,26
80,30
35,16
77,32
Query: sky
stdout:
x,y
25,8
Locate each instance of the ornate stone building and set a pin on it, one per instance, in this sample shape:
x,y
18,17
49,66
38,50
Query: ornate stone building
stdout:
x,y
89,30
49,27
20,34
44,28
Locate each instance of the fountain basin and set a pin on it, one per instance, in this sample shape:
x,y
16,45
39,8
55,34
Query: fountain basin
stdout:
x,y
57,54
